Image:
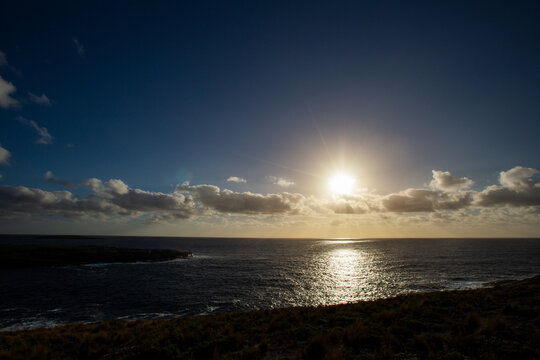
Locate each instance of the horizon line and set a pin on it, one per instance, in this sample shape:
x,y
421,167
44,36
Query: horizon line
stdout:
x,y
278,237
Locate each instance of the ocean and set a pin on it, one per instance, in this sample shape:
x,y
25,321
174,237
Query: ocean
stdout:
x,y
231,274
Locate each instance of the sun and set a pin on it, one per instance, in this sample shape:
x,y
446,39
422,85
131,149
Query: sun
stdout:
x,y
341,184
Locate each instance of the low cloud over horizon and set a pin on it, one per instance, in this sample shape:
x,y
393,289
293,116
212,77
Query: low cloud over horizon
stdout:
x,y
446,199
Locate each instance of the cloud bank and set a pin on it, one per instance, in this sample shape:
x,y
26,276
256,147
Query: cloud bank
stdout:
x,y
227,201
113,198
421,200
445,200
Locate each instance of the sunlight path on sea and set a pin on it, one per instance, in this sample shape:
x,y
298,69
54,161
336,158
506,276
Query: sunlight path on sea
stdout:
x,y
342,274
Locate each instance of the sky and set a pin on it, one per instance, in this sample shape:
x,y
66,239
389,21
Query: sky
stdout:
x,y
270,119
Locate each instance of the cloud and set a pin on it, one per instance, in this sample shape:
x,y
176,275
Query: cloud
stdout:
x,y
236,179
517,198
3,59
346,207
519,179
422,200
113,198
136,200
4,62
519,187
118,186
41,100
447,194
44,136
443,180
81,50
6,89
412,200
280,181
50,178
4,155
94,184
362,203
23,201
160,217
227,201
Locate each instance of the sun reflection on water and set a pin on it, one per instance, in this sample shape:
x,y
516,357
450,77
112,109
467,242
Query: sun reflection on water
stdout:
x,y
344,264
346,270
343,274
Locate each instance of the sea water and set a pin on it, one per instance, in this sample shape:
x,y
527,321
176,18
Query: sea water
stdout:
x,y
230,274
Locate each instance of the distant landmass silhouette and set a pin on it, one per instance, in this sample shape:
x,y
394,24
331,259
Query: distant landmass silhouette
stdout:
x,y
24,255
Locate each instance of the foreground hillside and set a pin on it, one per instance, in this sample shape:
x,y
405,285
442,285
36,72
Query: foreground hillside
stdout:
x,y
500,322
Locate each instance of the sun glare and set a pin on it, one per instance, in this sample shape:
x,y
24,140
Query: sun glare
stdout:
x,y
341,184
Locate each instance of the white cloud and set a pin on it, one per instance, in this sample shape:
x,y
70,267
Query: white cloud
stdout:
x,y
6,89
44,136
519,187
443,180
81,50
41,100
280,181
118,186
236,179
95,184
4,155
519,179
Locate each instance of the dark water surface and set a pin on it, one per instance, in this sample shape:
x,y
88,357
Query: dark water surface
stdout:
x,y
242,274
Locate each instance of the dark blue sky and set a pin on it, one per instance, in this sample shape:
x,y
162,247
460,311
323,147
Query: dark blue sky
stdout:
x,y
159,94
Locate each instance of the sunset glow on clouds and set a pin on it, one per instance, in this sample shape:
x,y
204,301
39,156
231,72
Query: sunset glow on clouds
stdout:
x,y
447,200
